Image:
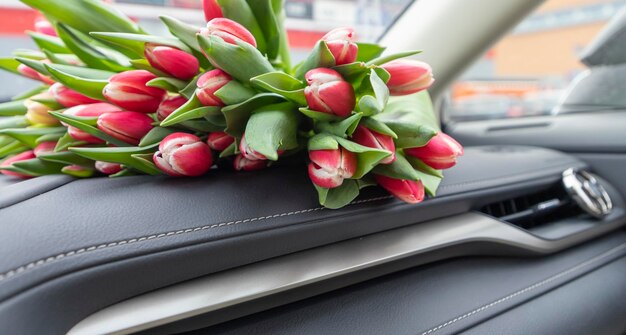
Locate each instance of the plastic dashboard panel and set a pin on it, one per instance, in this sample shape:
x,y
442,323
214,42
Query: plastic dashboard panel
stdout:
x,y
138,234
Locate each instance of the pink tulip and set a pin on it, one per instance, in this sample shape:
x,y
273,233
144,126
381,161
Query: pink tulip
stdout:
x,y
108,168
169,105
68,97
406,190
91,110
129,91
229,30
44,148
43,26
211,9
129,127
26,155
341,44
208,84
327,92
328,168
182,154
408,76
219,141
172,61
243,164
439,153
369,138
28,72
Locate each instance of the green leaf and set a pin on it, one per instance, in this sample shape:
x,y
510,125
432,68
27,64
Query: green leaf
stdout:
x,y
37,167
36,65
30,135
340,196
320,56
240,11
353,73
12,108
121,155
89,87
190,110
319,116
85,15
65,157
389,58
283,84
167,83
155,135
378,127
241,61
399,169
341,128
323,142
143,64
49,138
272,128
30,93
82,72
78,171
376,95
10,65
13,122
430,182
65,142
58,59
269,25
49,102
368,51
237,115
418,164
13,147
145,162
50,43
367,158
190,89
202,126
89,129
231,150
136,42
234,92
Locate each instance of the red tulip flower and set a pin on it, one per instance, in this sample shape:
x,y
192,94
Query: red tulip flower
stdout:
x,y
369,138
211,9
408,76
341,44
182,154
328,168
129,127
129,91
44,147
43,26
26,155
406,190
28,72
169,105
219,141
327,92
172,61
108,168
243,164
440,152
208,84
91,110
229,30
68,97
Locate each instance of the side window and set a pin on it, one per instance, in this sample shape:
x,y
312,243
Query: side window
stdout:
x,y
526,73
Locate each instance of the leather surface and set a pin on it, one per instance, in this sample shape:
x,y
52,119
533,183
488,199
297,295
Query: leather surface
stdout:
x,y
451,296
111,239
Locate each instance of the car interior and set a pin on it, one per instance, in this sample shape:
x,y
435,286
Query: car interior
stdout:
x,y
526,234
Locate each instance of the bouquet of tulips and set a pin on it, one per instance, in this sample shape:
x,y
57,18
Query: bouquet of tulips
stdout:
x,y
117,101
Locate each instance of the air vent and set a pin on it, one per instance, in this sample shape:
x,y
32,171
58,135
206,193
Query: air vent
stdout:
x,y
535,209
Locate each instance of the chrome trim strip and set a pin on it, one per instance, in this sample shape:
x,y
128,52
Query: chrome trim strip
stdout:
x,y
254,281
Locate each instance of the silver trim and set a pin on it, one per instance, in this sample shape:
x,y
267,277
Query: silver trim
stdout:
x,y
247,283
587,192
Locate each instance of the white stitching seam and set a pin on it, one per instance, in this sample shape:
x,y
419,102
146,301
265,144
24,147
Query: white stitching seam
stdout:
x,y
43,261
527,289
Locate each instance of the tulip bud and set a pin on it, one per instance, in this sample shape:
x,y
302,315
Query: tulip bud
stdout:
x,y
250,154
182,154
341,44
439,153
327,92
37,113
408,76
129,127
243,164
44,148
28,72
108,168
43,26
208,84
219,141
129,91
406,190
172,61
68,97
91,110
211,9
229,30
169,105
26,155
328,168
369,138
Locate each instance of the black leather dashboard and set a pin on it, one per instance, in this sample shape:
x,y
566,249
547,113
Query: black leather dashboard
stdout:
x,y
138,234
